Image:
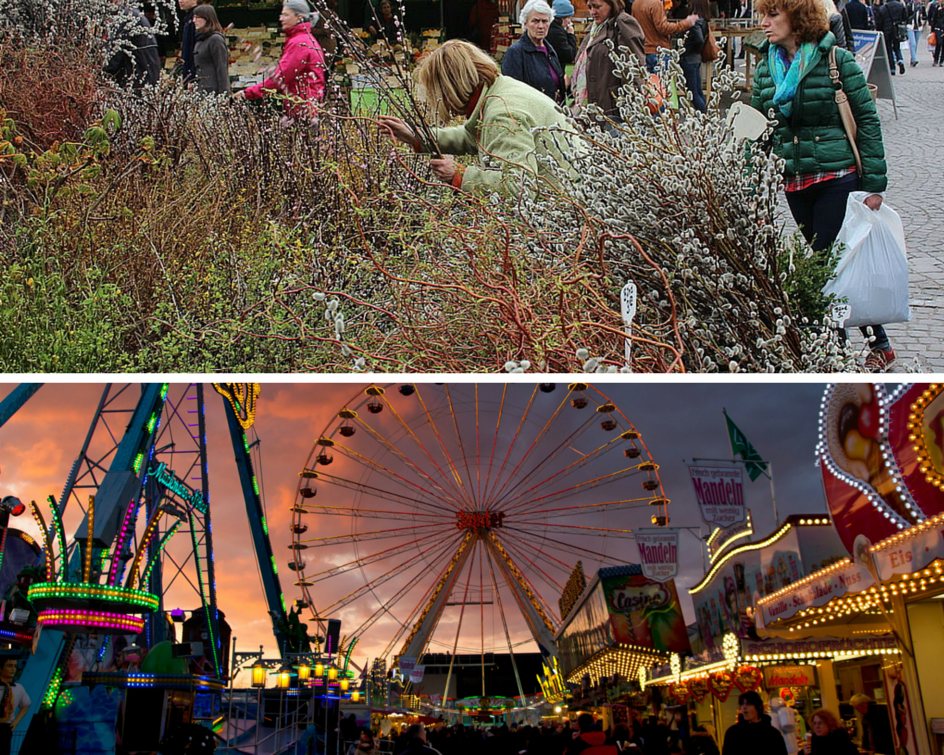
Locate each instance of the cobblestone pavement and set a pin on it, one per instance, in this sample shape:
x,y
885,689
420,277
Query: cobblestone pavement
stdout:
x,y
916,192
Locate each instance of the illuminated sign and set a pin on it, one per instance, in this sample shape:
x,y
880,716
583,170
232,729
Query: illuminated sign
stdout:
x,y
789,676
474,520
178,487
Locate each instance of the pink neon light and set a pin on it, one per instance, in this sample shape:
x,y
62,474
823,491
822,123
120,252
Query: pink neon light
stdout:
x,y
121,545
101,619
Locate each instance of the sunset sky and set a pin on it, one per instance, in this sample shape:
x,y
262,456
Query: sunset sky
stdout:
x,y
677,422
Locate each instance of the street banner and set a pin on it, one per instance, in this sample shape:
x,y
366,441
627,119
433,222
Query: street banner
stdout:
x,y
719,492
817,591
407,664
658,552
416,675
644,612
741,445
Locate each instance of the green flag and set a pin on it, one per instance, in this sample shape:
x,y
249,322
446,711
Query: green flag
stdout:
x,y
741,445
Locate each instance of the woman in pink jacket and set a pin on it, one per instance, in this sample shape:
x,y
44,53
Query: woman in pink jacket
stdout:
x,y
300,76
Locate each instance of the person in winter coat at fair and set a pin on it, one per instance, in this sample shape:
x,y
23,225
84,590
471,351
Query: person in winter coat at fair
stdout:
x,y
836,24
888,17
860,17
690,58
590,736
753,733
210,52
561,34
936,22
134,62
507,122
300,74
828,737
188,38
531,59
792,86
657,29
595,81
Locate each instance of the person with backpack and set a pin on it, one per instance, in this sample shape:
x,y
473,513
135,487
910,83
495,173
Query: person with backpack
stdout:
x,y
591,741
890,19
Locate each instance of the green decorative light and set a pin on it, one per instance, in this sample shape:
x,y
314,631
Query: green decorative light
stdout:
x,y
160,548
152,422
46,591
138,460
255,484
265,526
164,390
282,601
61,535
101,564
53,689
275,569
245,442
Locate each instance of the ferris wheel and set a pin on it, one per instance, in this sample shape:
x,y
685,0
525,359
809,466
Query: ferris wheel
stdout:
x,y
447,515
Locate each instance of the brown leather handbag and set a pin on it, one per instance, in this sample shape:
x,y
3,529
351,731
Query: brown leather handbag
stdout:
x,y
845,109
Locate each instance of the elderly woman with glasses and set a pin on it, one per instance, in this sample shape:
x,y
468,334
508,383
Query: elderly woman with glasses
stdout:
x,y
509,125
531,59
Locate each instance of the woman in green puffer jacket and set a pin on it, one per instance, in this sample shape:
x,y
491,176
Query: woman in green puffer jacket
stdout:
x,y
792,87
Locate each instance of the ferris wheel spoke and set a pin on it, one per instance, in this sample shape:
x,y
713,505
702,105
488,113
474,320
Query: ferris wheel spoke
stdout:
x,y
358,537
515,550
527,496
390,474
384,578
465,459
580,510
381,493
452,465
552,559
512,568
387,606
491,456
511,445
392,447
563,529
563,444
398,516
580,551
360,562
607,479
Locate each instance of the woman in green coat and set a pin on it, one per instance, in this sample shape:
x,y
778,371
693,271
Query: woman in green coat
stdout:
x,y
508,123
792,87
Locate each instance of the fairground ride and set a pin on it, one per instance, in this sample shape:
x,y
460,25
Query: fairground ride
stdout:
x,y
140,476
444,509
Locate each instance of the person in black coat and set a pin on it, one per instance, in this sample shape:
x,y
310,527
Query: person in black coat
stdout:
x,y
828,737
876,725
753,733
531,60
888,17
188,39
561,34
859,15
134,62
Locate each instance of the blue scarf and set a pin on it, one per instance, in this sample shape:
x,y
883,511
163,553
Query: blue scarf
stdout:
x,y
787,75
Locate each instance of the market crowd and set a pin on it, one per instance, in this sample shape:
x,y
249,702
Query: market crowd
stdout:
x,y
774,731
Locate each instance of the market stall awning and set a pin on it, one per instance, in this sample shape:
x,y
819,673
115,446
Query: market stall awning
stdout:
x,y
858,592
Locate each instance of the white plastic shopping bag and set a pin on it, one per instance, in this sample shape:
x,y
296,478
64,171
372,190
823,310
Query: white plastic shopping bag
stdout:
x,y
872,273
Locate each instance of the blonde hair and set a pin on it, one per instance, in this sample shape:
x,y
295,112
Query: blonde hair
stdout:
x,y
451,74
830,8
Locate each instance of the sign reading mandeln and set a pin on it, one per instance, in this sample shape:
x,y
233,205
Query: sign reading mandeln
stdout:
x,y
789,676
720,494
658,552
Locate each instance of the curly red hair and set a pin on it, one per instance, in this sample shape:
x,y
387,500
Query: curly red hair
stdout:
x,y
807,17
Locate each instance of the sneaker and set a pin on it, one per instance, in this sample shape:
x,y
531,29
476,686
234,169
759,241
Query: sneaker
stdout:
x,y
901,67
914,63
878,360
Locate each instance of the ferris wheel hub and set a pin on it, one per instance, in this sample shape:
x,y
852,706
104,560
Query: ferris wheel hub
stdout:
x,y
479,520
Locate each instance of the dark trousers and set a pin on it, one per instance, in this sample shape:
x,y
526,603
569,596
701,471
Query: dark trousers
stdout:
x,y
6,739
939,46
692,73
819,212
894,49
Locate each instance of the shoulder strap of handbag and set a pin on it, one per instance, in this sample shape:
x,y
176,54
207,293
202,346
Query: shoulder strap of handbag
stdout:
x,y
845,110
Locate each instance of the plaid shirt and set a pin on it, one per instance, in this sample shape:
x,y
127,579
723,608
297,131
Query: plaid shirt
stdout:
x,y
799,183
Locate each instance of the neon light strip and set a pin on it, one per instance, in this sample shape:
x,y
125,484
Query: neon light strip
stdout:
x,y
115,576
16,635
61,534
89,541
160,549
206,607
784,529
91,591
142,548
41,523
101,619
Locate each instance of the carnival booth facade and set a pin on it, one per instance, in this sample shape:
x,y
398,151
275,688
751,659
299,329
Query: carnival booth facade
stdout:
x,y
882,459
